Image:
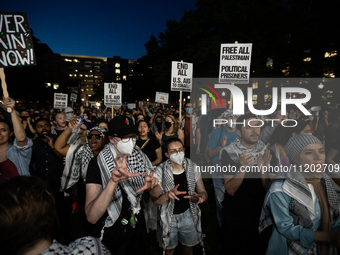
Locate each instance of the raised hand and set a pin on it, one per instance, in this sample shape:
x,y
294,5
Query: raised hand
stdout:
x,y
120,172
8,103
72,123
150,182
246,159
174,193
50,141
196,197
265,159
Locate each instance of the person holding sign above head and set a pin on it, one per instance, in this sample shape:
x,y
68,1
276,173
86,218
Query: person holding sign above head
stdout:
x,y
15,154
115,182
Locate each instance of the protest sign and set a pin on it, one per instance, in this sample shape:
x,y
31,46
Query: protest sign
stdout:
x,y
73,97
112,94
181,78
235,63
162,97
60,101
16,47
131,106
93,104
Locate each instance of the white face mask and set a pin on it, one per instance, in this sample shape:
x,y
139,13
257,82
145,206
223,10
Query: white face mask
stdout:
x,y
177,158
231,123
126,148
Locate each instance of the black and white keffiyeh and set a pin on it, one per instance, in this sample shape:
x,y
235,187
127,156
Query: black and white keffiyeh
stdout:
x,y
295,186
165,175
235,149
87,246
137,162
77,160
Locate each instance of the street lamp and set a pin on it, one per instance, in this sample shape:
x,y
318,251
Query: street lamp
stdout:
x,y
320,86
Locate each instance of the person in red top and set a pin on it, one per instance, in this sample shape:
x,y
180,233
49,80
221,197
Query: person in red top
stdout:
x,y
192,133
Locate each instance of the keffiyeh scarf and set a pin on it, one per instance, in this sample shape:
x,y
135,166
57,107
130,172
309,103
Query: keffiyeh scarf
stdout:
x,y
86,245
165,211
295,186
235,150
137,162
77,160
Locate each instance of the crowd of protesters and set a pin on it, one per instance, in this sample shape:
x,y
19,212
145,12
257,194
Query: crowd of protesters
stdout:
x,y
124,172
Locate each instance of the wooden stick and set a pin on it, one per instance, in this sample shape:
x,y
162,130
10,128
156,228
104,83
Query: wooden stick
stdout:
x,y
111,111
4,86
180,105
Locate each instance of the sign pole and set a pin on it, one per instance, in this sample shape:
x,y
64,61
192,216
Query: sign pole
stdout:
x,y
180,105
4,86
231,98
112,111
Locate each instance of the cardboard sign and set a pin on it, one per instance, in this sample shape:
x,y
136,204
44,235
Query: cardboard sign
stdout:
x,y
60,101
16,47
235,63
162,97
131,106
112,94
73,97
181,76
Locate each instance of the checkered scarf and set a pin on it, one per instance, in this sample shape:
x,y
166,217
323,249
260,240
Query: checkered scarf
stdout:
x,y
137,162
166,210
235,150
295,186
77,160
85,245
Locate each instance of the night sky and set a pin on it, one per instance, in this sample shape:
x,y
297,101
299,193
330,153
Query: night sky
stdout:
x,y
99,28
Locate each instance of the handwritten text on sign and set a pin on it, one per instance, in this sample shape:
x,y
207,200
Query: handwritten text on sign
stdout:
x,y
112,94
60,101
16,47
235,63
181,78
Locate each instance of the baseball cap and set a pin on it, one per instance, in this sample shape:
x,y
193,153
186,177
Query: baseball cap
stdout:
x,y
122,126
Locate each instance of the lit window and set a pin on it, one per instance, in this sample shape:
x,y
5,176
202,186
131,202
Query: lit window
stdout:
x,y
117,70
68,60
86,75
308,59
70,75
48,84
82,89
55,86
75,60
331,54
80,75
254,99
269,63
117,65
255,85
76,70
124,77
118,78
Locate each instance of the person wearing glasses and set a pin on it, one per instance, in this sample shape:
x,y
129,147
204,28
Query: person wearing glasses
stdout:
x,y
115,182
182,191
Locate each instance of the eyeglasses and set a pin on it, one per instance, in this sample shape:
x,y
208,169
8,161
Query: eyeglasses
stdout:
x,y
126,139
42,126
176,151
96,136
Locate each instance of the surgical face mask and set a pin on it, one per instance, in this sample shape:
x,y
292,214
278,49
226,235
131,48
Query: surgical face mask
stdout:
x,y
85,117
231,123
177,157
126,147
189,110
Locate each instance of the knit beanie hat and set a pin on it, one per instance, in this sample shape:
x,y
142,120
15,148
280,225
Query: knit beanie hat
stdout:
x,y
297,143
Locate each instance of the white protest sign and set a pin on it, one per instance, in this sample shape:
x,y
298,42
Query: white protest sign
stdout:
x,y
181,76
112,94
131,106
73,97
235,63
93,104
60,101
162,97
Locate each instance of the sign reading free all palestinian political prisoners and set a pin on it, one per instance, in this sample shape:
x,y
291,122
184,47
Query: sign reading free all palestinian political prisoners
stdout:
x,y
16,47
112,94
181,78
60,101
235,63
